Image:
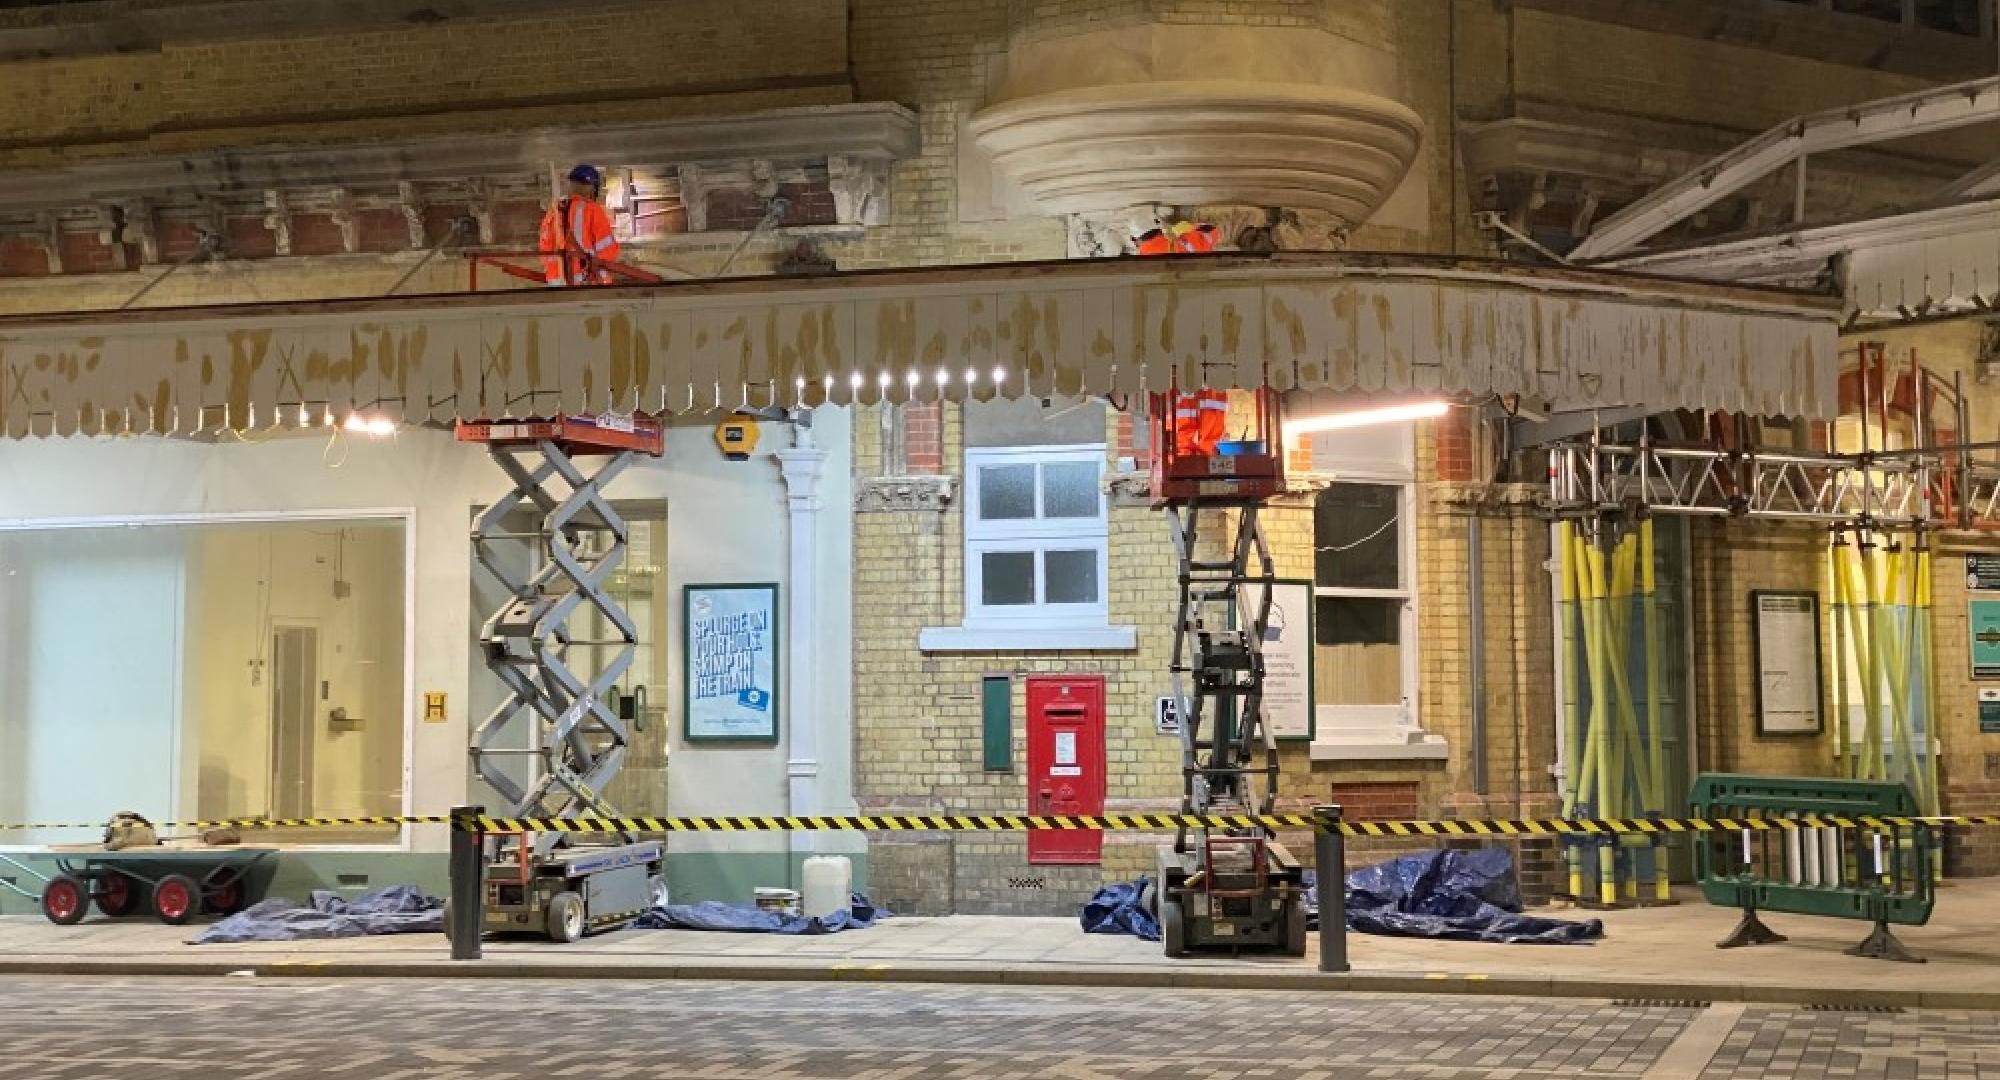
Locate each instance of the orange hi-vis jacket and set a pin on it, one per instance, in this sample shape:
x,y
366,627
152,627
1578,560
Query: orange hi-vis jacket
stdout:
x,y
1200,419
577,231
1184,238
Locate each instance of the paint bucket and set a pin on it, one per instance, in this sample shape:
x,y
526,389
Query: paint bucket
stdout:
x,y
779,902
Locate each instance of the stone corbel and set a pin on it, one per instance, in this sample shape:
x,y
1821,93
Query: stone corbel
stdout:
x,y
411,204
860,189
141,227
278,219
1093,236
1586,210
345,218
694,196
480,207
111,233
1129,488
891,494
48,233
763,179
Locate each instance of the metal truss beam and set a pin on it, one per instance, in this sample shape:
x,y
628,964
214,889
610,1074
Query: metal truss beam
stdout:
x,y
1928,488
1924,112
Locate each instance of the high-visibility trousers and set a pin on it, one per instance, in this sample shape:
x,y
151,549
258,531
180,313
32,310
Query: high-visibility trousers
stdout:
x,y
1200,419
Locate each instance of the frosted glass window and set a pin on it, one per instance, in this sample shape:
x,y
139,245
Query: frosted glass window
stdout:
x,y
202,672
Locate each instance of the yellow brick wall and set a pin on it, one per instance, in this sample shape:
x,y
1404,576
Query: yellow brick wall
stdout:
x,y
600,60
1732,558
918,715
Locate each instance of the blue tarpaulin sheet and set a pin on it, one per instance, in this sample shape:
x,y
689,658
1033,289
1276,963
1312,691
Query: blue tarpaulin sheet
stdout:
x,y
1452,896
1449,895
396,909
716,915
1116,909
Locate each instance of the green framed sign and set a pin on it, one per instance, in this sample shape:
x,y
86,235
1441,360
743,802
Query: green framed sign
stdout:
x,y
729,649
1288,659
1983,629
1784,646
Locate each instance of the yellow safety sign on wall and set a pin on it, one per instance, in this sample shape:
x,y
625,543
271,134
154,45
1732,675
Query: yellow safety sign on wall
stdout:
x,y
434,707
737,436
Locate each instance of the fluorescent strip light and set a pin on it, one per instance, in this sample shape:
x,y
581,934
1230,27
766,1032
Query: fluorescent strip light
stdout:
x,y
1390,414
375,426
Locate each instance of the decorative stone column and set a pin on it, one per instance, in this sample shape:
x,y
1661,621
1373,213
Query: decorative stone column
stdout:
x,y
802,465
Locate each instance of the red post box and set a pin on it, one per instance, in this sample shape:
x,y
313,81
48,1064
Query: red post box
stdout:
x,y
1066,764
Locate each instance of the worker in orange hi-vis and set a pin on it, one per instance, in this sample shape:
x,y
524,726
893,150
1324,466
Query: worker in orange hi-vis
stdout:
x,y
1195,239
1200,420
576,233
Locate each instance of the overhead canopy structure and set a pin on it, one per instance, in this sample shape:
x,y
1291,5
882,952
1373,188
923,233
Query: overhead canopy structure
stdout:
x,y
1938,258
1368,323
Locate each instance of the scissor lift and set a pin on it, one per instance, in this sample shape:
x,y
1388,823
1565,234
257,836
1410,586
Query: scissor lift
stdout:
x,y
1235,888
557,883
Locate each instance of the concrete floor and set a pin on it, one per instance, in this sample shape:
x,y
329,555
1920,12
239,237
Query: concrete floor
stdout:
x,y
1649,953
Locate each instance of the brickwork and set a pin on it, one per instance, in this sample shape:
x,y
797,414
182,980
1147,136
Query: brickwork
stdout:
x,y
524,68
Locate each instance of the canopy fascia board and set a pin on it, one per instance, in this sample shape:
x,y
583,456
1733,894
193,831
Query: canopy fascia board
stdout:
x,y
1355,322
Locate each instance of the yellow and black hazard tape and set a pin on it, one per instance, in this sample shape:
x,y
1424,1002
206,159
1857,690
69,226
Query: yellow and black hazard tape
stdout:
x,y
1504,827
1167,822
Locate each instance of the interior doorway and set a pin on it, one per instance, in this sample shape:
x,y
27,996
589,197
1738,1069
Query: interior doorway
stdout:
x,y
294,700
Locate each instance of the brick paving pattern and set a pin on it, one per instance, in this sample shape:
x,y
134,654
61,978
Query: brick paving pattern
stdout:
x,y
1778,1042
288,1029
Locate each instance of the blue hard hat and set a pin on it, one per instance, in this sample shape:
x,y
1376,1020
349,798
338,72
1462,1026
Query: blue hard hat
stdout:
x,y
587,174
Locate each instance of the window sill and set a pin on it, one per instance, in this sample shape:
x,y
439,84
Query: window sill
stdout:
x,y
1034,639
1418,746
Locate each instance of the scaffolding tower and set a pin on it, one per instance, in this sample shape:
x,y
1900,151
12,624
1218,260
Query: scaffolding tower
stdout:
x,y
1880,499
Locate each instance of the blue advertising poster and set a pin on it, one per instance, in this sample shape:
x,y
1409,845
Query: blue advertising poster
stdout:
x,y
732,663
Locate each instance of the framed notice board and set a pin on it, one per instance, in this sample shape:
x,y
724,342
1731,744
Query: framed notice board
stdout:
x,y
1288,658
729,636
1784,635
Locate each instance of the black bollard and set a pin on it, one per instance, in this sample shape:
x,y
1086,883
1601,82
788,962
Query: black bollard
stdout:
x,y
468,901
1330,867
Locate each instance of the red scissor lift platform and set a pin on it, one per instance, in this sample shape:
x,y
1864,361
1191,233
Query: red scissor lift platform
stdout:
x,y
1223,888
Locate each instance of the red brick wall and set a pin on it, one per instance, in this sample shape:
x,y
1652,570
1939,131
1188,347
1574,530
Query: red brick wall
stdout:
x,y
1377,800
1457,452
923,437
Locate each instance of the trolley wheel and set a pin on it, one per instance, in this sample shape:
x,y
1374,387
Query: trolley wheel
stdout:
x,y
1173,934
1149,899
565,917
117,895
226,898
175,899
65,899
656,891
1295,927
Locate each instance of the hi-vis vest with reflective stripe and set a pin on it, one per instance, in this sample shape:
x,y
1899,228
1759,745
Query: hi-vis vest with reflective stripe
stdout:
x,y
1200,419
576,227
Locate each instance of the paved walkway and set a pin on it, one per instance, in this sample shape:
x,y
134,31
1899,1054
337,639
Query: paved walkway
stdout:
x,y
1651,954
67,1028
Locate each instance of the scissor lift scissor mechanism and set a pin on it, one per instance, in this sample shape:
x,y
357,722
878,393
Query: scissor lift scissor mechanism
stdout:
x,y
577,743
1225,888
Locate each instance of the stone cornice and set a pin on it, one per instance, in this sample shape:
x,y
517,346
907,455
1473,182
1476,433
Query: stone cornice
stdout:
x,y
893,494
861,136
